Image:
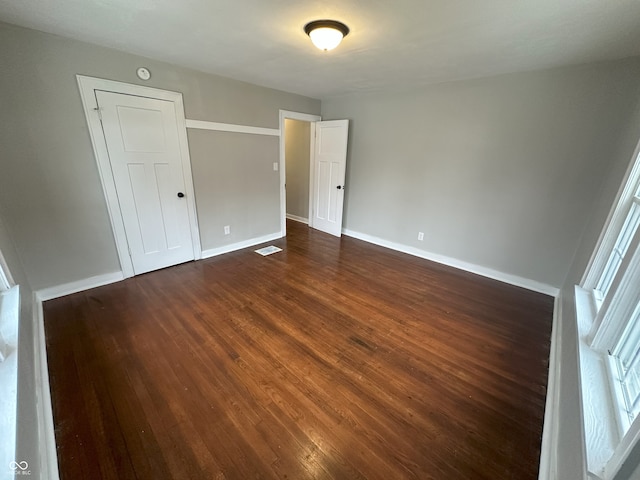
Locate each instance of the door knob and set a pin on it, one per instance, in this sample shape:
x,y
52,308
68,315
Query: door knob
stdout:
x,y
180,194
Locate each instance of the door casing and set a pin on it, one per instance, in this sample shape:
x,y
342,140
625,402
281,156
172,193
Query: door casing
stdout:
x,y
87,87
305,117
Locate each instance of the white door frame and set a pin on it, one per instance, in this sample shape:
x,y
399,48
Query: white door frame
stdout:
x,y
87,86
305,117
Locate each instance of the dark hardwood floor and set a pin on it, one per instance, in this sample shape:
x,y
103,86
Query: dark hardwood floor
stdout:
x,y
333,359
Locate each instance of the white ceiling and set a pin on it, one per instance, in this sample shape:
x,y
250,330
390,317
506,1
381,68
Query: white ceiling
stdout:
x,y
392,44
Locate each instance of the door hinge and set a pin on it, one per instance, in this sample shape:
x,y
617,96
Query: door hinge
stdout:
x,y
99,112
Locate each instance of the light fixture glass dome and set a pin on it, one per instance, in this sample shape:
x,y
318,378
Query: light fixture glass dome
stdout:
x,y
326,34
326,38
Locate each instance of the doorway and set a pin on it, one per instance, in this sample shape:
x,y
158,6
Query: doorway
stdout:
x,y
313,156
297,134
139,139
297,169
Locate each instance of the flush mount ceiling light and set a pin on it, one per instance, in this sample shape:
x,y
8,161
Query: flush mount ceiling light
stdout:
x,y
326,34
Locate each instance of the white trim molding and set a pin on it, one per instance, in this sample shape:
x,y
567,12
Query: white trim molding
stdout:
x,y
77,286
296,218
240,245
549,448
230,127
87,87
44,410
6,280
9,320
613,224
599,433
455,263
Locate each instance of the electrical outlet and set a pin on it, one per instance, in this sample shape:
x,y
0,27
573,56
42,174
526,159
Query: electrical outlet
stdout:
x,y
227,229
275,166
421,236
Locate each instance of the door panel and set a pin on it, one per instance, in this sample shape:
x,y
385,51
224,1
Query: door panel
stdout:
x,y
169,205
324,178
142,129
330,166
143,144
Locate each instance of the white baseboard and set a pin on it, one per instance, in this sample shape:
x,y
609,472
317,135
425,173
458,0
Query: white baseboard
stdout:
x,y
296,218
549,446
46,435
240,245
78,286
452,262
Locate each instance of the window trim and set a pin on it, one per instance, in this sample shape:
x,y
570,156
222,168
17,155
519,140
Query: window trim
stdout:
x,y
6,283
9,319
605,321
624,294
607,326
623,451
613,224
6,280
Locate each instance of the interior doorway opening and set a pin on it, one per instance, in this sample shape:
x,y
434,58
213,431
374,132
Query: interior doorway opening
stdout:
x,y
320,194
297,169
296,166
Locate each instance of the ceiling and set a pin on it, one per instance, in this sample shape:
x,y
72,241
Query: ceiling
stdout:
x,y
392,45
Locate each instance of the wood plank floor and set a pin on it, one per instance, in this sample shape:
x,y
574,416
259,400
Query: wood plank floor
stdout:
x,y
333,359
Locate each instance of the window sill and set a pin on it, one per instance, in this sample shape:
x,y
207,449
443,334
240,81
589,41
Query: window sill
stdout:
x,y
9,315
598,407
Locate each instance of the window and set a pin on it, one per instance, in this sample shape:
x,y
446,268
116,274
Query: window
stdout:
x,y
613,283
619,250
5,284
9,317
618,236
5,278
626,359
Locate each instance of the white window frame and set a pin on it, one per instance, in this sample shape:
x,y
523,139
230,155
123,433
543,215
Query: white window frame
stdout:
x,y
607,326
6,283
613,313
6,280
618,305
9,317
613,224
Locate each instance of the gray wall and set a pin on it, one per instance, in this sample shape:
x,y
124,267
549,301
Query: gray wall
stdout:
x,y
297,144
517,173
235,185
50,193
54,226
498,172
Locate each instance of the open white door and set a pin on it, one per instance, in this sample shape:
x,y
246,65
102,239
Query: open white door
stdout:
x,y
329,170
141,135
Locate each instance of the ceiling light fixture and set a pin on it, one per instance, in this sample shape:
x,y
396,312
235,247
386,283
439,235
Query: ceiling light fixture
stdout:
x,y
326,34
